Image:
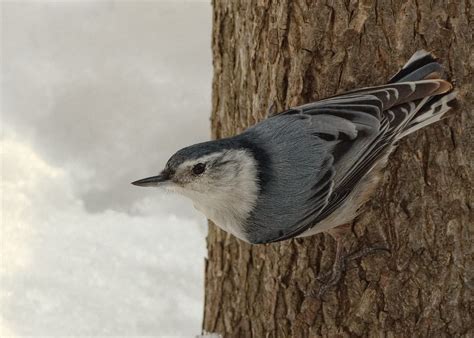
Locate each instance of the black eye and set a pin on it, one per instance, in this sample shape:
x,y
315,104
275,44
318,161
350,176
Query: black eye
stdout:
x,y
199,168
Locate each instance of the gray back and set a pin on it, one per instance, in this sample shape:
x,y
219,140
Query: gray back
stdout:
x,y
298,161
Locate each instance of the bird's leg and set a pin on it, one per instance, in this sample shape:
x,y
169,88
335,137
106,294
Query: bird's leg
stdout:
x,y
337,267
332,277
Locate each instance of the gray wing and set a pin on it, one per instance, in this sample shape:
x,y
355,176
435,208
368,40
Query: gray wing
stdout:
x,y
353,131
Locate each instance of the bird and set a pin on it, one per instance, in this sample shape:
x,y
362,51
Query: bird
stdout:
x,y
310,168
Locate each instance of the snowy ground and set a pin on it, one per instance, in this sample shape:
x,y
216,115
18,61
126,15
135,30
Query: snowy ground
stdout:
x,y
94,96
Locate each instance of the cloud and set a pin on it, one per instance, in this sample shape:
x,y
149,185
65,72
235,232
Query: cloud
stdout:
x,y
69,272
107,91
94,96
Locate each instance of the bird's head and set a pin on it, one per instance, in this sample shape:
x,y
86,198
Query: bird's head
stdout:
x,y
208,171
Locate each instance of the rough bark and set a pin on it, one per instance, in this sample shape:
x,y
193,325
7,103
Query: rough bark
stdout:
x,y
292,52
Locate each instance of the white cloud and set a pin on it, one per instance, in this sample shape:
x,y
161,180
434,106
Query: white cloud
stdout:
x,y
69,272
107,90
94,96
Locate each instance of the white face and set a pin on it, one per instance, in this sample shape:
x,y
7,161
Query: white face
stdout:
x,y
212,174
226,191
222,185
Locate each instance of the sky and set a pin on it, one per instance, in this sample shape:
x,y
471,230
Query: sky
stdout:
x,y
94,95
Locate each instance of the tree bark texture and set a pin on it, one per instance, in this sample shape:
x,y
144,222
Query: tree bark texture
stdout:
x,y
285,53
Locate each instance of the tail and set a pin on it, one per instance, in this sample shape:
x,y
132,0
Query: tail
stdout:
x,y
423,66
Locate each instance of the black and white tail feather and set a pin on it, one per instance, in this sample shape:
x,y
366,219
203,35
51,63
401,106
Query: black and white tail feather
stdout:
x,y
422,65
365,125
415,97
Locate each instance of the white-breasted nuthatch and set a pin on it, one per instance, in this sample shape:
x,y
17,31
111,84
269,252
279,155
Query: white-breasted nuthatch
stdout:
x,y
310,168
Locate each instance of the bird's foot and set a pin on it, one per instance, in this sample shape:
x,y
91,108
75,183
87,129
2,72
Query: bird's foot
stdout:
x,y
365,252
331,278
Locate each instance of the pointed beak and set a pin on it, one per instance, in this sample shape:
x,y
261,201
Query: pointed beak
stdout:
x,y
153,181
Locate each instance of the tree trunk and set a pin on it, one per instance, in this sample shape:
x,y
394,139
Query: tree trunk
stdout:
x,y
285,53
